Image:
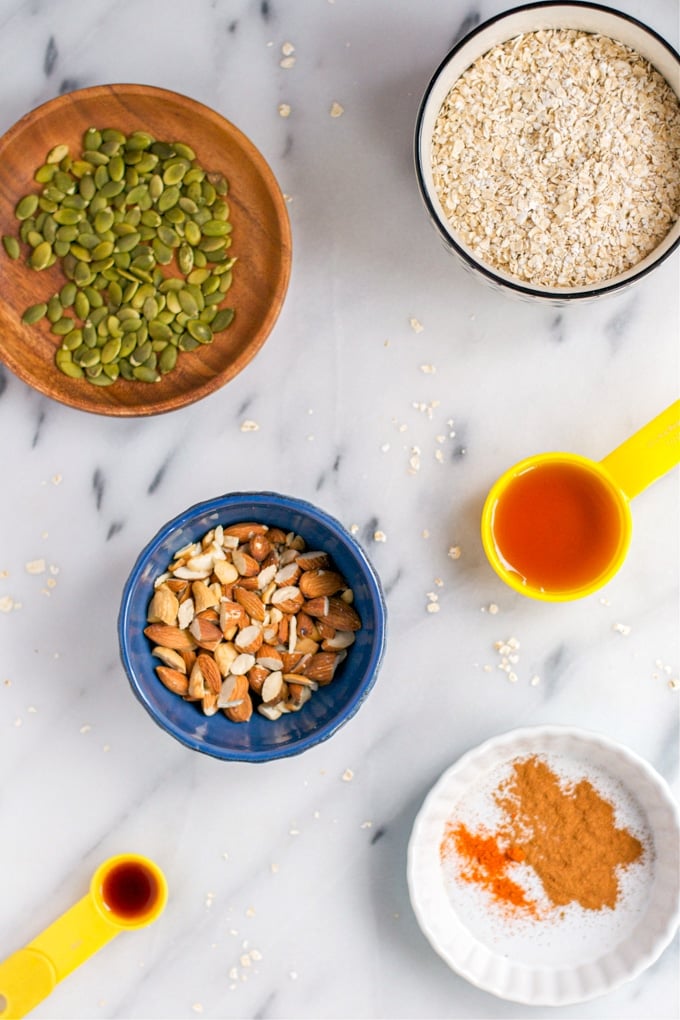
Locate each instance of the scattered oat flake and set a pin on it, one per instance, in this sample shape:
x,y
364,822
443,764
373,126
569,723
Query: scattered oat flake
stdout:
x,y
379,536
535,680
36,567
416,326
428,369
293,975
336,110
353,528
86,728
250,912
433,607
439,456
347,776
249,426
366,825
284,110
56,479
293,832
454,552
674,684
197,1007
7,604
274,869
384,448
4,573
622,628
287,63
493,608
287,49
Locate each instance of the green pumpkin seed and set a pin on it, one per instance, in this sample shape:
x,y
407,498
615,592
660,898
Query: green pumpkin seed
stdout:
x,y
223,319
68,217
11,246
167,199
192,233
63,326
187,343
26,207
87,187
92,139
56,154
41,255
145,374
200,331
45,173
34,314
70,369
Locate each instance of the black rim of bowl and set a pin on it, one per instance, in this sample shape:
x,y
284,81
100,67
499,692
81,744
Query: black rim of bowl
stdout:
x,y
478,266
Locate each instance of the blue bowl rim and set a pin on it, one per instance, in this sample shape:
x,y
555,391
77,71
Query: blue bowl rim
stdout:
x,y
294,504
516,286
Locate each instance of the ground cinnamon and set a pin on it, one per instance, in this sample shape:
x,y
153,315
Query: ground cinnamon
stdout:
x,y
566,832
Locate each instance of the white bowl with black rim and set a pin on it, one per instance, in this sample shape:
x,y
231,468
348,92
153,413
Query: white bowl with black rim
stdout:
x,y
530,18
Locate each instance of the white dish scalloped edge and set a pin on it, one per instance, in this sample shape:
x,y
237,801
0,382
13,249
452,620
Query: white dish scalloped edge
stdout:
x,y
541,985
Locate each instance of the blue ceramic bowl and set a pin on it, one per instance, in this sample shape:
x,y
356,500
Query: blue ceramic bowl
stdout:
x,y
260,739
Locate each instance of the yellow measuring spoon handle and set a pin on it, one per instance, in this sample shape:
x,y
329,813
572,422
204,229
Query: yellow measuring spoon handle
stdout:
x,y
29,975
648,454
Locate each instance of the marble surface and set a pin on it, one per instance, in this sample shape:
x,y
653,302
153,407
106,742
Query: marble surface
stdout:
x,y
288,891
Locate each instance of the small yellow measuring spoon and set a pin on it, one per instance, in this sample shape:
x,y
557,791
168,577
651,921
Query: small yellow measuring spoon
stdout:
x,y
126,892
557,526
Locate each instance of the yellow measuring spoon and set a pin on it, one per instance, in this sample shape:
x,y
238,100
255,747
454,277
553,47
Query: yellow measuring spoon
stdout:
x,y
126,892
557,526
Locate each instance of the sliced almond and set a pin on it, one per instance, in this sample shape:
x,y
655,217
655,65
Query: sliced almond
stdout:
x,y
169,657
163,607
232,614
271,712
209,703
185,613
196,682
169,637
301,679
241,712
306,645
207,634
313,560
287,574
256,677
298,695
341,639
266,576
225,572
246,565
173,679
277,536
249,639
242,663
224,655
273,689
204,596
269,657
288,599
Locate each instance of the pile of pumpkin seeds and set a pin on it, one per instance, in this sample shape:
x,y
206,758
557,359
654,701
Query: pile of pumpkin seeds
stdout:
x,y
113,217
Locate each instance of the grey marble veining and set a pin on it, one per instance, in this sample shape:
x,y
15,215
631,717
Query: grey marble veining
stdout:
x,y
288,889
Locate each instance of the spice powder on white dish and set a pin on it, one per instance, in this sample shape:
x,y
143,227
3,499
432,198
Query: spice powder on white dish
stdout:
x,y
556,158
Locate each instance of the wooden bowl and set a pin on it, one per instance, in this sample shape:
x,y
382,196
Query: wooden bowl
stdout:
x,y
261,243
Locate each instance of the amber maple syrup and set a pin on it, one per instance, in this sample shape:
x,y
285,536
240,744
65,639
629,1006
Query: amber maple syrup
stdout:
x,y
558,526
130,890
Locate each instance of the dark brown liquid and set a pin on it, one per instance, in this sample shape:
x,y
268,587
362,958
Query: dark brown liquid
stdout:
x,y
558,526
129,890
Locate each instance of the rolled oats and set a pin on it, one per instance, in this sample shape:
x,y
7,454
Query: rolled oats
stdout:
x,y
555,157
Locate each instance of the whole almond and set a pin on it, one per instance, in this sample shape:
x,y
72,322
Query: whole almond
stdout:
x,y
320,582
251,602
175,681
341,615
256,677
169,637
321,667
245,530
210,671
259,547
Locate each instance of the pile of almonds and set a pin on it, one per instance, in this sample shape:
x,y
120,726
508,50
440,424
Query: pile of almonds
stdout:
x,y
248,618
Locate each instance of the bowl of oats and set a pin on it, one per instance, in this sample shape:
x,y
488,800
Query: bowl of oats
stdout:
x,y
252,626
547,150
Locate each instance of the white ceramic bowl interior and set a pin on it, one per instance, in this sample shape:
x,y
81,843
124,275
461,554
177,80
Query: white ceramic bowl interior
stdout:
x,y
533,18
565,967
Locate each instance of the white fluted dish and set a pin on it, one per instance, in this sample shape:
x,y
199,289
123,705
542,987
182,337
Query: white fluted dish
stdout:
x,y
568,966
